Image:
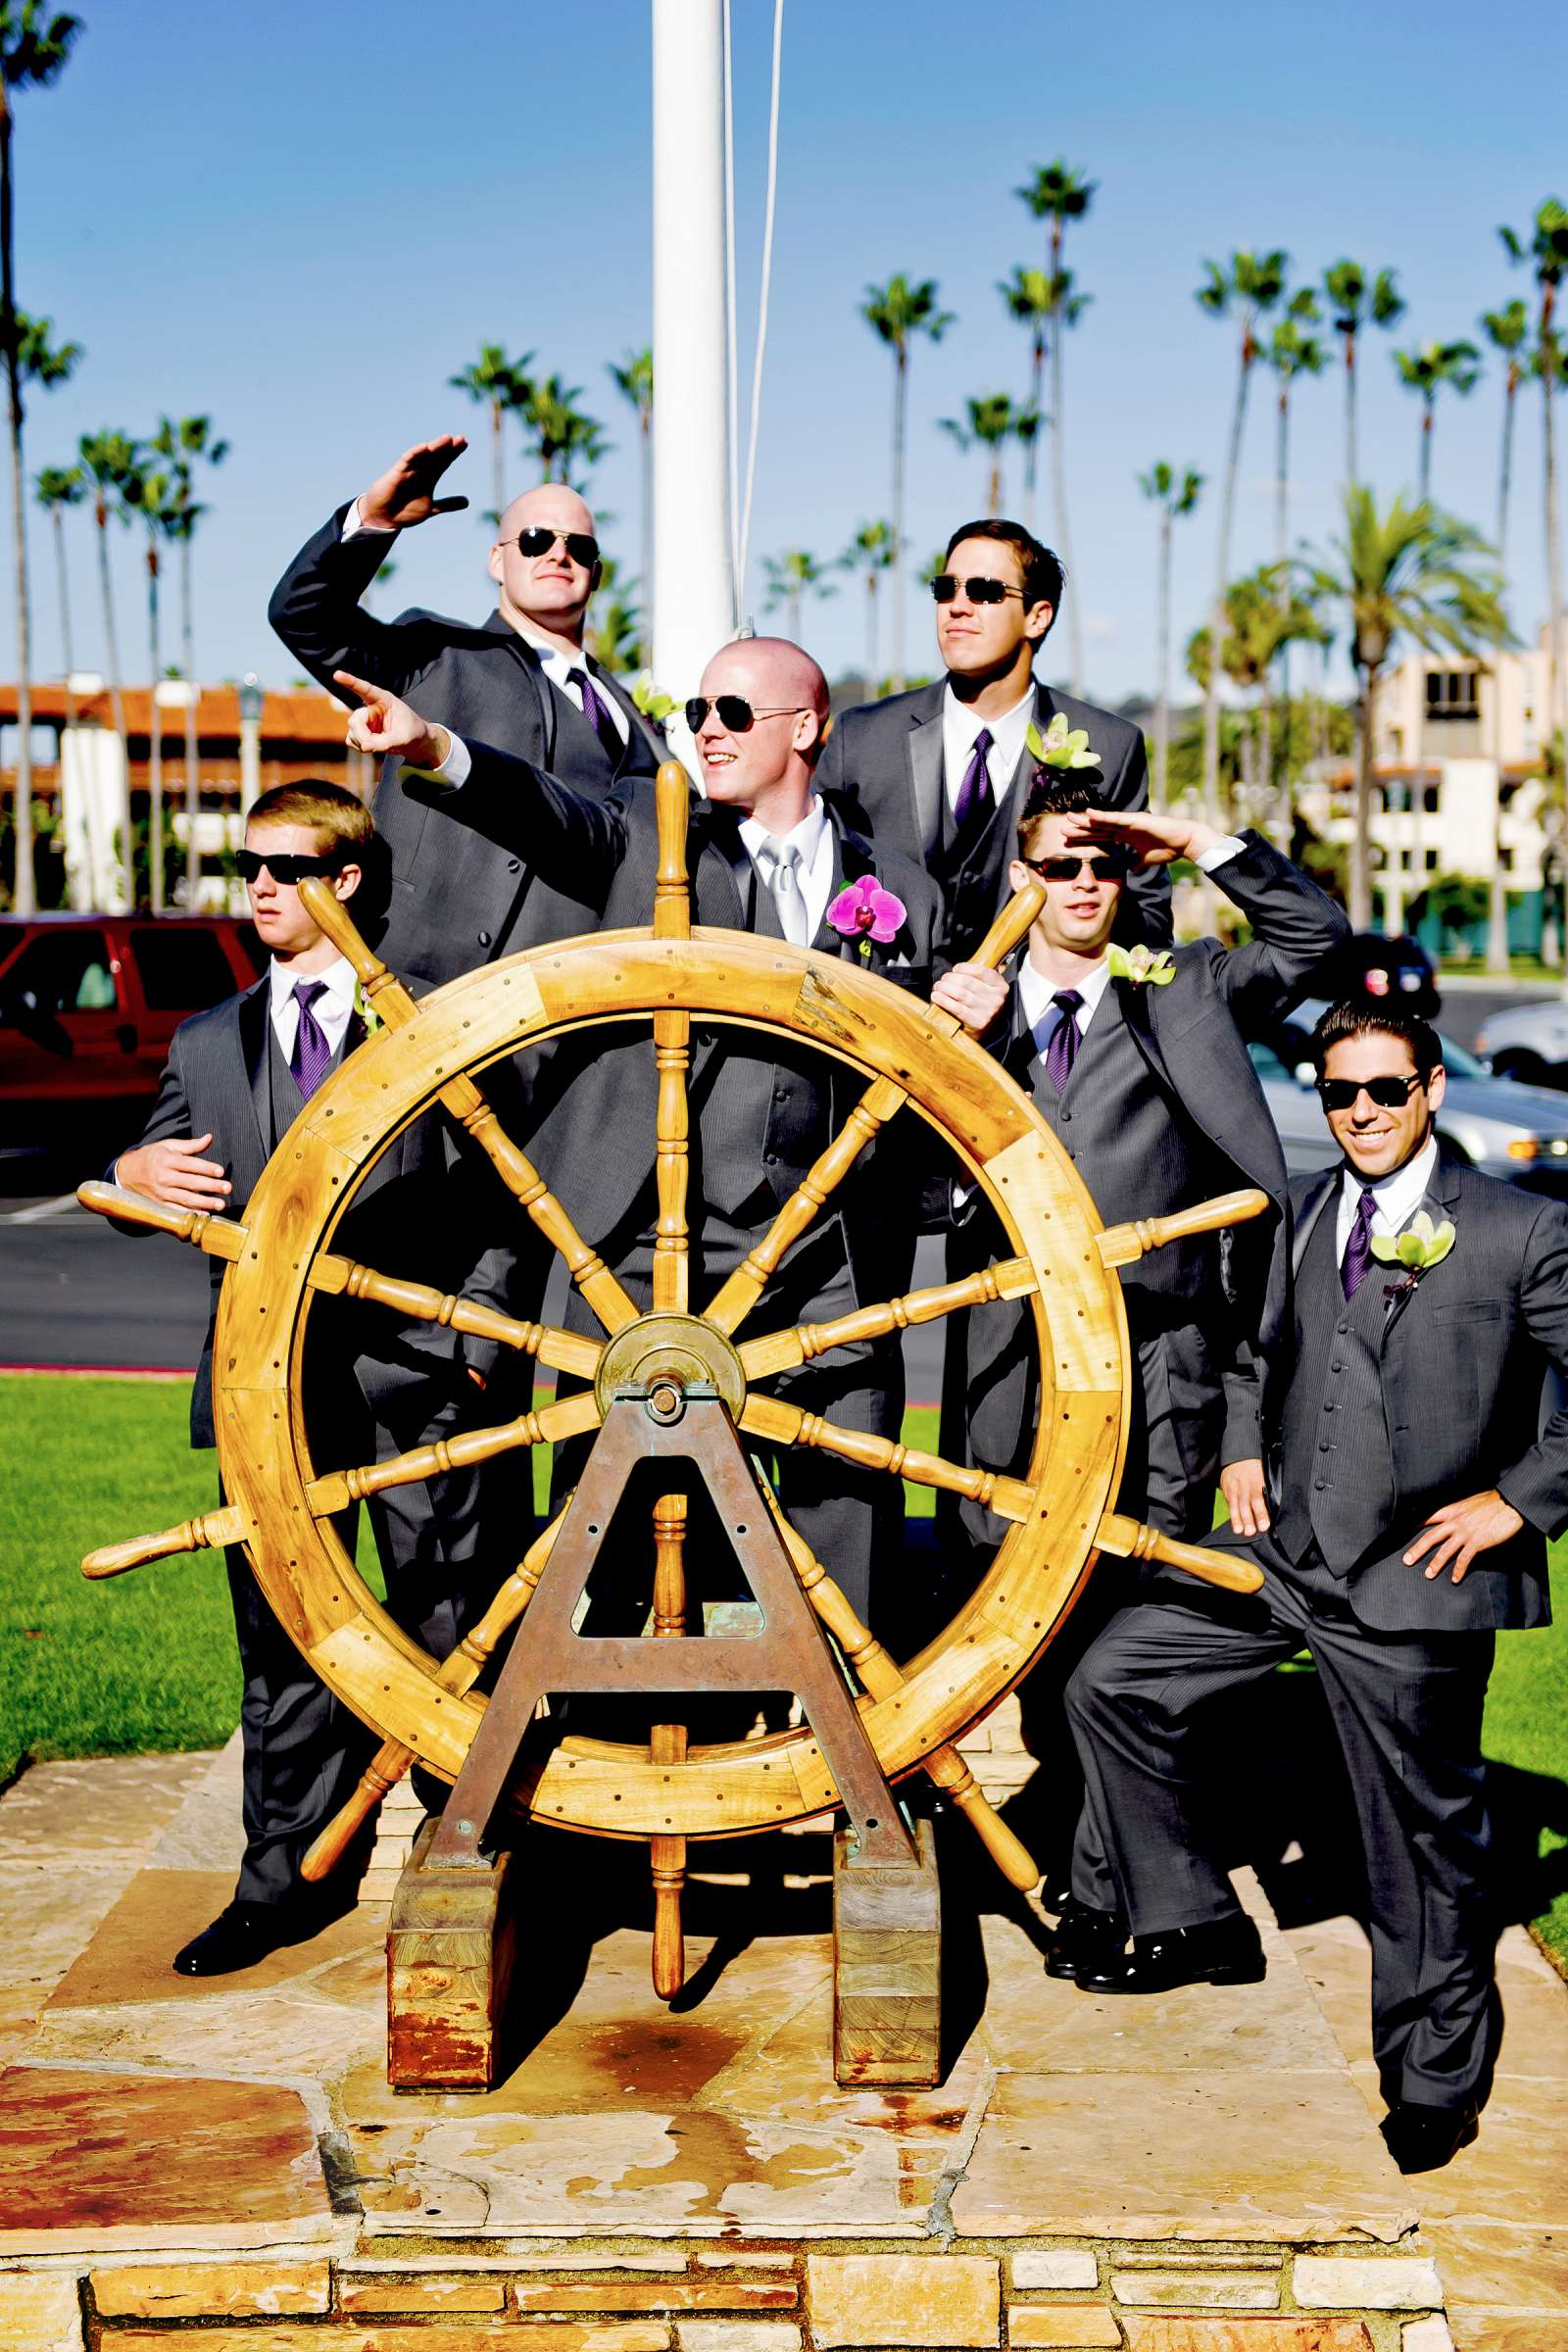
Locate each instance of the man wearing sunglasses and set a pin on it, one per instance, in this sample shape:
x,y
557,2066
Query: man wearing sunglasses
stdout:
x,y
1149,1089
520,680
942,773
237,1077
1406,1477
766,857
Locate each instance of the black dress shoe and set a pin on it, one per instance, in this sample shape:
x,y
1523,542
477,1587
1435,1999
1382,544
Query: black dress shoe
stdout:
x,y
1084,1938
1222,1952
1056,1897
1422,2139
244,1933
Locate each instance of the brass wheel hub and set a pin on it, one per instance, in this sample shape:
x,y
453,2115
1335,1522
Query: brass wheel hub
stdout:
x,y
676,1352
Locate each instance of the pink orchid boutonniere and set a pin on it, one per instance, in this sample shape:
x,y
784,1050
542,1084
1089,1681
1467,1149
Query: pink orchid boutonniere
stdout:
x,y
863,911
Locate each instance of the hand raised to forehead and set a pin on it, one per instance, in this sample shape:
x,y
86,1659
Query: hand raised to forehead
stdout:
x,y
1147,838
405,495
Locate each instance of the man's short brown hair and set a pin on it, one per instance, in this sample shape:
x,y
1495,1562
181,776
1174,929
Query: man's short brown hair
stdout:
x,y
1349,1020
1050,795
1042,577
338,817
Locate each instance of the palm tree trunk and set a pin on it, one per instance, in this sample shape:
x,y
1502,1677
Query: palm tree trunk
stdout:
x,y
1362,839
1162,699
1282,542
1497,880
1218,613
193,784
1505,468
154,747
24,894
1554,661
57,518
1349,410
1424,470
870,636
795,616
498,461
116,704
900,398
1031,460
993,487
1075,614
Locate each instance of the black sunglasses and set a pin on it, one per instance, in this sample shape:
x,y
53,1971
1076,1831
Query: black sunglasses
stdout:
x,y
538,540
286,869
1107,868
1388,1093
734,711
980,590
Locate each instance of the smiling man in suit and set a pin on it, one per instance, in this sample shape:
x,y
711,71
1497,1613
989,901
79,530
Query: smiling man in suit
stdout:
x,y
941,774
766,856
1401,1482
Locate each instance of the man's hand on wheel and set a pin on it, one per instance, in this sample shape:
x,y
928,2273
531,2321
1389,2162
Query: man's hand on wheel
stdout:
x,y
1460,1530
173,1173
973,994
1246,1497
405,495
384,726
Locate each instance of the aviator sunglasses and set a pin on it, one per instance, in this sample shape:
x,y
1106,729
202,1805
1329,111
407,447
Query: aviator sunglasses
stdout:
x,y
286,869
735,712
980,590
1108,866
538,540
1388,1093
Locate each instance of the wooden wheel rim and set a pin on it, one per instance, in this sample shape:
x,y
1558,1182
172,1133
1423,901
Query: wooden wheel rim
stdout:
x,y
1079,1324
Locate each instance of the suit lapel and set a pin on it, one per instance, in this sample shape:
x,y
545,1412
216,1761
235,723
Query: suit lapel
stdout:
x,y
255,1030
635,718
1315,1203
1439,1200
925,779
852,857
527,659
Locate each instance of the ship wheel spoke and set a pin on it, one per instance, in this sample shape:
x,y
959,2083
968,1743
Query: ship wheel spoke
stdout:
x,y
672,1034
783,1424
569,1417
667,1744
783,1350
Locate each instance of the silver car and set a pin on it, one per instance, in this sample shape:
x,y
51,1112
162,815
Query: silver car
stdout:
x,y
1519,1133
1528,1042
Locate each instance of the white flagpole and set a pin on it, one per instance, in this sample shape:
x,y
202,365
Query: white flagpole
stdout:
x,y
694,586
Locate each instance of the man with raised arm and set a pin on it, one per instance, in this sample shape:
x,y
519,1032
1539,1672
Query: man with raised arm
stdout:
x,y
767,855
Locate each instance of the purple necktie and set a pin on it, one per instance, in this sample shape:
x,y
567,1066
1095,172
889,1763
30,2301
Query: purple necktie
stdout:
x,y
312,1052
1358,1262
595,712
971,810
1062,1049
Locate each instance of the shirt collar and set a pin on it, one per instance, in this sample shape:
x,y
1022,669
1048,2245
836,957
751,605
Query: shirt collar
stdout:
x,y
1398,1195
962,718
338,979
551,655
806,836
1036,991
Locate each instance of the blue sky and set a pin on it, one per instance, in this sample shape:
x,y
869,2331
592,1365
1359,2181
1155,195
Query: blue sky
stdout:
x,y
303,219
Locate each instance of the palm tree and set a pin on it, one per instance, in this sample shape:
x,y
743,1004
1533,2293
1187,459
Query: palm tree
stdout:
x,y
1408,571
1249,285
1291,353
188,442
869,553
993,421
1357,300
57,487
157,498
1059,194
1266,610
497,383
1545,249
1507,330
1174,498
112,463
897,313
615,637
37,362
1032,295
1426,372
563,434
790,578
33,49
634,381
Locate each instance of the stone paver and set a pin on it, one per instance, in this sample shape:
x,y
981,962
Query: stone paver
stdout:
x,y
905,2300
232,2290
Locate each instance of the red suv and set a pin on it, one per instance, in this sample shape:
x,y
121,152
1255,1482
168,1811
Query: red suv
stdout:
x,y
88,1003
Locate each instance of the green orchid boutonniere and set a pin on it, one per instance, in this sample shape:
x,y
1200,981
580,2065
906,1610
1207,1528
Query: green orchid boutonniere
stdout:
x,y
1420,1246
1142,967
1061,746
370,1019
648,700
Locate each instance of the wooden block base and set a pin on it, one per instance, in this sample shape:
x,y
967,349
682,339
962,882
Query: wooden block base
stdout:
x,y
886,1967
450,1947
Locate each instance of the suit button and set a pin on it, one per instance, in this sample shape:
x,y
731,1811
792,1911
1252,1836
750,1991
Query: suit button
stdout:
x,y
1320,1484
484,939
1322,1444
1327,1408
781,1094
1342,1328
1065,1116
771,1159
513,866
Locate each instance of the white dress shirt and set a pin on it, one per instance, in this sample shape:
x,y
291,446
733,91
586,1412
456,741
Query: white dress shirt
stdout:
x,y
961,723
1397,1197
333,1011
552,661
812,837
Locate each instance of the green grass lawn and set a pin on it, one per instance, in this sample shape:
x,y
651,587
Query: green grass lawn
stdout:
x,y
146,1661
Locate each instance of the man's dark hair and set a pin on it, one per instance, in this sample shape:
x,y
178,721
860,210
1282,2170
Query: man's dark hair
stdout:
x,y
1051,794
1043,576
1352,1018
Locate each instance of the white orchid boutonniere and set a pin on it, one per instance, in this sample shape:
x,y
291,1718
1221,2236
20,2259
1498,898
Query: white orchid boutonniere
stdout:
x,y
370,1019
1420,1246
648,700
1061,746
1145,967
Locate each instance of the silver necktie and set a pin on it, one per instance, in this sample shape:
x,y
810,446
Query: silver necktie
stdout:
x,y
780,861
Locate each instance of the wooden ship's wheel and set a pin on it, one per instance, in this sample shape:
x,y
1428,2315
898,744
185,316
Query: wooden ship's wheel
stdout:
x,y
683,1381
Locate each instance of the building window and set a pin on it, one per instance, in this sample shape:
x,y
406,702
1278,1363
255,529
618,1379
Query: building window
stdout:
x,y
1429,798
1506,858
1432,862
1451,694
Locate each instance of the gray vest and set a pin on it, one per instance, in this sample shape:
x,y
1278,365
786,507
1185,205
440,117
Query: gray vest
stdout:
x,y
1335,1470
282,1087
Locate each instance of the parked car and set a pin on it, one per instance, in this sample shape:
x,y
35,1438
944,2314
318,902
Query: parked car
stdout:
x,y
1527,1042
1519,1133
88,1003
1394,970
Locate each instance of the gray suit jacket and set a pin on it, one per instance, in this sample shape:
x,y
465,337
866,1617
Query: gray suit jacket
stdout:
x,y
883,763
457,900
1466,1351
608,851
